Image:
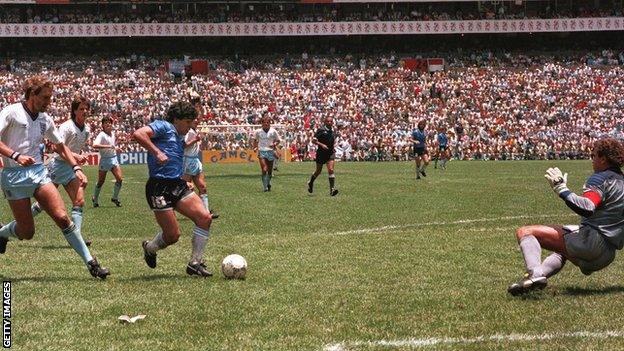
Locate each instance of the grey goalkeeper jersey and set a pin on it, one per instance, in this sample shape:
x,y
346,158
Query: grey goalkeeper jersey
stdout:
x,y
602,205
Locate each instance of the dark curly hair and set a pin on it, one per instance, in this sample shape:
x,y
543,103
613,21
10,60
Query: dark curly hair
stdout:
x,y
181,110
611,149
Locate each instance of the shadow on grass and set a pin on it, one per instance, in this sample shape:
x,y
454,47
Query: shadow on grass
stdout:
x,y
53,247
577,291
155,277
49,279
258,175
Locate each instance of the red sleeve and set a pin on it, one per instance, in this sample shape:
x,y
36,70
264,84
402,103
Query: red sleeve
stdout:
x,y
593,196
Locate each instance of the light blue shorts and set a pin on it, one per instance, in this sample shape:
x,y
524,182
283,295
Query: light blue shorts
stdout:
x,y
108,163
192,165
267,155
61,172
21,182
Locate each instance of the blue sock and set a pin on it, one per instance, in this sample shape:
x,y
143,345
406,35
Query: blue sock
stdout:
x,y
96,194
116,190
73,237
204,198
8,230
76,215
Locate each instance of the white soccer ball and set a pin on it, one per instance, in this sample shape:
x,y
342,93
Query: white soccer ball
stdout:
x,y
234,267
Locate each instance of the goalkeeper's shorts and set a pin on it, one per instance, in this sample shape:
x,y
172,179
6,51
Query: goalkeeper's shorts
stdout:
x,y
588,249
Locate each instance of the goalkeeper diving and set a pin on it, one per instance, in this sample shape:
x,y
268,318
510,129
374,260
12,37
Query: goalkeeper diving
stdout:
x,y
591,246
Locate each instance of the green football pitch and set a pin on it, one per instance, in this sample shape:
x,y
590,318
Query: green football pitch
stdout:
x,y
391,263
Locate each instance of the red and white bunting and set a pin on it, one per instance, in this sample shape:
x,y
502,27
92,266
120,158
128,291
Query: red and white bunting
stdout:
x,y
309,28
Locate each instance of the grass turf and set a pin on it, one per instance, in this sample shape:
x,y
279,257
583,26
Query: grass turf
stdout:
x,y
389,258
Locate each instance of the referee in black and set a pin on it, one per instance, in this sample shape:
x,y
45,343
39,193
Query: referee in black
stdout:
x,y
324,139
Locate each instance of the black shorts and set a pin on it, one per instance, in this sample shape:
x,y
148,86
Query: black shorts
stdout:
x,y
163,194
419,151
324,157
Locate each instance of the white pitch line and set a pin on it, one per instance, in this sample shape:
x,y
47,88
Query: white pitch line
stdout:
x,y
428,224
420,343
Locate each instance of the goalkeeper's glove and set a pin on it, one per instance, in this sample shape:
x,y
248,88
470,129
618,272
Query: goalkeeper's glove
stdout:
x,y
557,180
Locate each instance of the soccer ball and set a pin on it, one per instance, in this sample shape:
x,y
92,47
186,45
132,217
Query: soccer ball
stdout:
x,y
234,267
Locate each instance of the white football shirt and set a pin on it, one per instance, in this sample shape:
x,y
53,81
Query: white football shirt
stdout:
x,y
73,137
192,150
266,139
23,134
105,139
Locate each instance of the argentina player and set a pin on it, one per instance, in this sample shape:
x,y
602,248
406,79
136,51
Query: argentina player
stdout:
x,y
590,246
166,191
23,126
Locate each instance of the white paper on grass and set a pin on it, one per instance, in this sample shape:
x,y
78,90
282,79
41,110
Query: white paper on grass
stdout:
x,y
127,319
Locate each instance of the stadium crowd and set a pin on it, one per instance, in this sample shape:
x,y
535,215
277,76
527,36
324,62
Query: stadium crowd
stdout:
x,y
292,12
493,106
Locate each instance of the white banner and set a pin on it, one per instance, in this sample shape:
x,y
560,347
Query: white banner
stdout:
x,y
309,29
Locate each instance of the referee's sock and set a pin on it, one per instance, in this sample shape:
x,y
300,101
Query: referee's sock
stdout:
x,y
312,178
332,181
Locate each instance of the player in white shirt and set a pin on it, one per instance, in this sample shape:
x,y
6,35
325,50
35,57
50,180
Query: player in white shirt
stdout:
x,y
23,126
266,141
193,169
74,133
105,143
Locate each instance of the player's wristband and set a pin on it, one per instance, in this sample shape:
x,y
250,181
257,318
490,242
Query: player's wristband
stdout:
x,y
76,168
15,155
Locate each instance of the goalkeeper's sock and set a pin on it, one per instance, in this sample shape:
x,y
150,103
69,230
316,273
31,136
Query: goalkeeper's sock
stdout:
x,y
200,238
8,230
158,243
74,239
532,252
552,264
